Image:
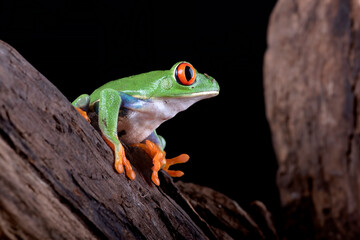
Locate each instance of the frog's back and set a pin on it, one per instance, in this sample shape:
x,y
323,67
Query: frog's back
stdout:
x,y
118,85
133,85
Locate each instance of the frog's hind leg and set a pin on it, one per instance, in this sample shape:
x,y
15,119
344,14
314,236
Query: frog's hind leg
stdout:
x,y
108,111
81,104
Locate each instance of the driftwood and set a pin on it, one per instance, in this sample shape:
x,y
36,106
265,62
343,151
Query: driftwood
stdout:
x,y
57,179
225,217
312,98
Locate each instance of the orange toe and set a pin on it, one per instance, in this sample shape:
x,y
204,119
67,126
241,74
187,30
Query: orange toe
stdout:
x,y
183,158
155,178
129,171
130,174
119,167
174,173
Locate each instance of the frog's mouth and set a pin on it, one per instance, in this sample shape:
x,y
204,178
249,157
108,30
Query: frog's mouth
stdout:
x,y
207,94
197,95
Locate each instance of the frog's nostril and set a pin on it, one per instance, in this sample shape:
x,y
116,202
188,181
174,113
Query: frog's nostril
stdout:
x,y
206,75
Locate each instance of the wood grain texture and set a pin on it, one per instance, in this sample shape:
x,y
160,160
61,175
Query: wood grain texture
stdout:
x,y
226,218
57,179
311,72
57,173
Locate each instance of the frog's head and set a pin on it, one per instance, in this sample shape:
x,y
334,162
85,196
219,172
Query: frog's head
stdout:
x,y
182,80
175,90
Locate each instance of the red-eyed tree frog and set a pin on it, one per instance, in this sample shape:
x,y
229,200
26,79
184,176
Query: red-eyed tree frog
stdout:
x,y
131,108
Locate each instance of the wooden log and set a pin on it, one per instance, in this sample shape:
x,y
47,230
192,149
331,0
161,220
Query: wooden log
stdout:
x,y
225,217
57,179
312,96
62,182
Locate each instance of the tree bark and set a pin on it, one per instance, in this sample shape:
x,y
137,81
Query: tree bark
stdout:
x,y
57,179
226,218
311,76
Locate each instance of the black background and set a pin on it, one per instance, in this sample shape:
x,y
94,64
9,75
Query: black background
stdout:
x,y
80,45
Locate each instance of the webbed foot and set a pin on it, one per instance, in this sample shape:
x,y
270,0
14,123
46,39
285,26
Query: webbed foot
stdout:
x,y
120,159
158,156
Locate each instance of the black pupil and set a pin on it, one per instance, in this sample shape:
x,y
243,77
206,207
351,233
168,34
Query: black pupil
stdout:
x,y
188,73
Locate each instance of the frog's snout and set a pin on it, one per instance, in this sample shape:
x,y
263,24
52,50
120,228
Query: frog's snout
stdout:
x,y
215,85
210,83
212,80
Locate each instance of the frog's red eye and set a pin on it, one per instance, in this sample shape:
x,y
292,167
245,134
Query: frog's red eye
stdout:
x,y
185,74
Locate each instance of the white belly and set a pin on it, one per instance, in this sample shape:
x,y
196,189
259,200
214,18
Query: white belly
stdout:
x,y
136,125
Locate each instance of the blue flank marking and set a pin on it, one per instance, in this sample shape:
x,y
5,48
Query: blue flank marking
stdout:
x,y
131,102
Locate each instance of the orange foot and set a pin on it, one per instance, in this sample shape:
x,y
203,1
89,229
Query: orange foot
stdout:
x,y
120,160
83,113
158,156
182,158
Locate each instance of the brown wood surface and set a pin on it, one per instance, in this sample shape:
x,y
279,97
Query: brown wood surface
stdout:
x,y
312,96
225,217
57,179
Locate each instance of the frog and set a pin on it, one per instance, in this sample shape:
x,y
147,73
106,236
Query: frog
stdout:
x,y
130,109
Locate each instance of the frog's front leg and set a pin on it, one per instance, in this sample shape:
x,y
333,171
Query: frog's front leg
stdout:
x,y
154,146
108,111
